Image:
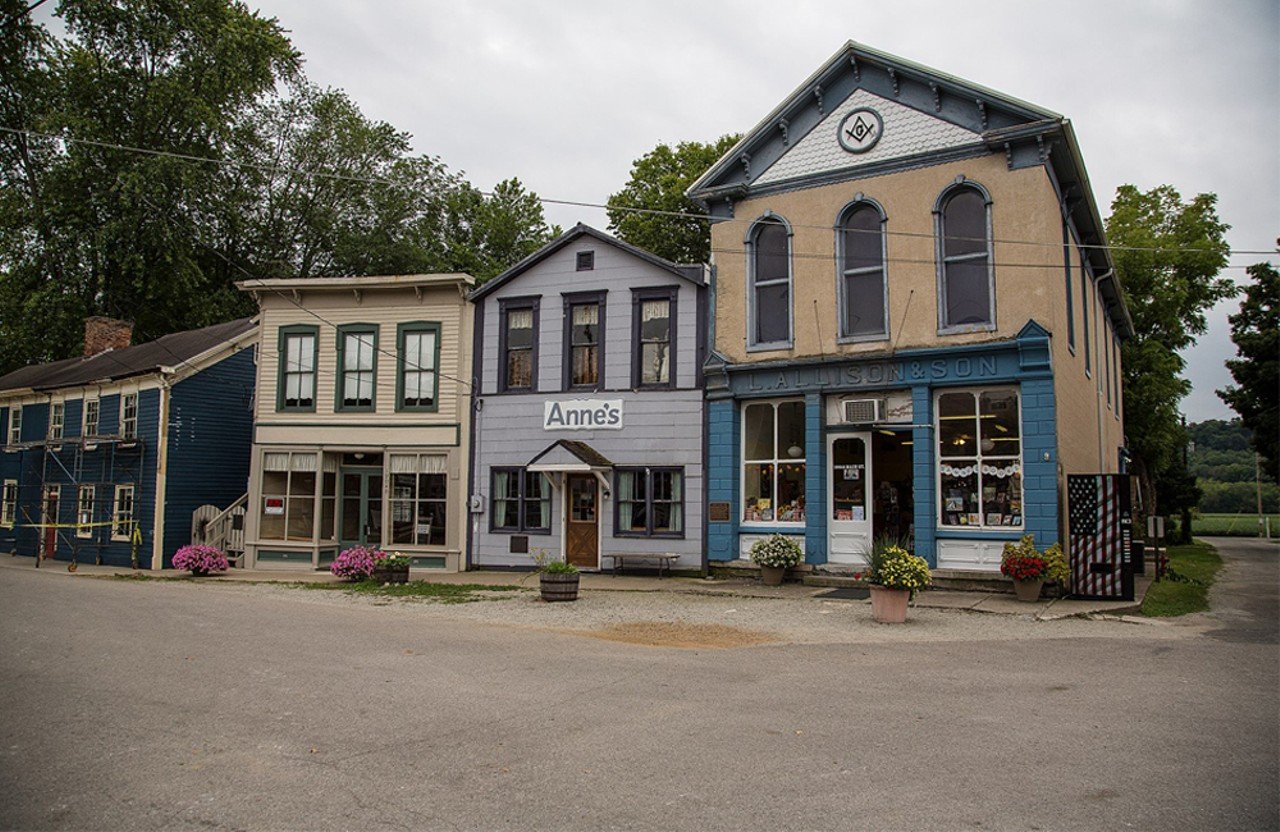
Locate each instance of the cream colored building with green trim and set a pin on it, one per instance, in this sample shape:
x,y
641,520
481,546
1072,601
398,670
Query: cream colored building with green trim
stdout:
x,y
361,420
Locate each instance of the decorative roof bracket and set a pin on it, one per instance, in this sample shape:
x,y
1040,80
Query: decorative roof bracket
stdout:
x,y
937,97
359,296
1008,155
893,76
857,73
783,124
817,93
745,159
982,112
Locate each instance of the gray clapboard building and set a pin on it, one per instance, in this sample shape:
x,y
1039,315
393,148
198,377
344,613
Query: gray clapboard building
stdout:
x,y
589,422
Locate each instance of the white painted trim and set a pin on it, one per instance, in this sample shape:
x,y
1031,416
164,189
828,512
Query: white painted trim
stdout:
x,y
742,464
162,478
868,496
937,458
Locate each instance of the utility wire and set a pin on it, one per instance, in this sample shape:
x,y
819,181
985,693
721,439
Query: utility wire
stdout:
x,y
372,180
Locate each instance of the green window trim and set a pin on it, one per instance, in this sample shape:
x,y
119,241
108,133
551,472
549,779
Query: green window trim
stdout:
x,y
403,330
341,382
284,334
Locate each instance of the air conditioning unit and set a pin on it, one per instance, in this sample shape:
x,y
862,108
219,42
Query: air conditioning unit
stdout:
x,y
861,411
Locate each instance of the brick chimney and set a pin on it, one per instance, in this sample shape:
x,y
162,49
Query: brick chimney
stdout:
x,y
102,334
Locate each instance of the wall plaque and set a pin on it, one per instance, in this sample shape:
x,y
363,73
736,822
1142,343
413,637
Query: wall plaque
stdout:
x,y
719,512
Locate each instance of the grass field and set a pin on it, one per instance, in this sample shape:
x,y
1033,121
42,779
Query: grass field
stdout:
x,y
1192,569
1240,525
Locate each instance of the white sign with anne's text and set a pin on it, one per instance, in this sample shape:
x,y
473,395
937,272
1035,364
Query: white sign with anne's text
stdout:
x,y
583,414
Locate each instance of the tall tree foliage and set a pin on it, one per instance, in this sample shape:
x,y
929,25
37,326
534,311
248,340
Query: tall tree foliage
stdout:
x,y
658,182
1168,257
1255,329
301,183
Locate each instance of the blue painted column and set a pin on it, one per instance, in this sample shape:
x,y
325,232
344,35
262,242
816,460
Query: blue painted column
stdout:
x,y
722,477
923,474
1040,460
815,480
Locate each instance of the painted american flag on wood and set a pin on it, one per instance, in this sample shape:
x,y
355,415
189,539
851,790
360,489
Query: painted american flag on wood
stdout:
x,y
1098,518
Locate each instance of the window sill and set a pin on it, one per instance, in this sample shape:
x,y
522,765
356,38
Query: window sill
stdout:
x,y
965,329
862,339
765,525
645,536
539,532
776,346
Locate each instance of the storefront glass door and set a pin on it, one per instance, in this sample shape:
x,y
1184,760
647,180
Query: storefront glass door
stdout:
x,y
849,506
360,521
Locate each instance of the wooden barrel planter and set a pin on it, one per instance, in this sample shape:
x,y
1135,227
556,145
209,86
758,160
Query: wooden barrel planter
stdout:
x,y
559,587
390,574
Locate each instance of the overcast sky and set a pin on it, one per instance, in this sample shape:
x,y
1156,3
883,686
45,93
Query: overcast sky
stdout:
x,y
565,95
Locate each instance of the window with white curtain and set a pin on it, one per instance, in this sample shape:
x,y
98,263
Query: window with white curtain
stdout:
x,y
358,347
288,495
419,499
650,502
521,501
654,334
418,382
298,368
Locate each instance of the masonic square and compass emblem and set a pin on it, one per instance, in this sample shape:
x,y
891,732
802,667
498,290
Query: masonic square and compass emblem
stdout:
x,y
860,130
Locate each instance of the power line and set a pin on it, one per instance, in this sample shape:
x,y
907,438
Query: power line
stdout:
x,y
372,180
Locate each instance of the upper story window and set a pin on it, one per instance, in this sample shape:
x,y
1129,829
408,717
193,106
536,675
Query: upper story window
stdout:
x,y
418,380
297,383
519,347
586,261
862,290
357,366
653,337
1084,312
15,424
92,416
129,415
1066,265
584,347
769,318
966,277
57,419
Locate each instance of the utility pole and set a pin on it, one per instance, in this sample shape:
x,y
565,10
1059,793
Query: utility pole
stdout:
x,y
1257,481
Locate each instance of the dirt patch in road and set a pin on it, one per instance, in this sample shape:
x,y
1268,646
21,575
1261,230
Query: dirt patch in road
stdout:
x,y
681,634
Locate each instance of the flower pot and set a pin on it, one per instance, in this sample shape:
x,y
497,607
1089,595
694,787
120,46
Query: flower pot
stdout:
x,y
199,573
391,574
889,606
772,575
559,586
1028,590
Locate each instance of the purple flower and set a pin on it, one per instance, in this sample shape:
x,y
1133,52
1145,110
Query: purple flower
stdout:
x,y
200,558
356,563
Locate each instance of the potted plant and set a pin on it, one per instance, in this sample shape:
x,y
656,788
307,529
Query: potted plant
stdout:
x,y
894,576
354,564
200,559
390,568
1025,565
558,580
774,555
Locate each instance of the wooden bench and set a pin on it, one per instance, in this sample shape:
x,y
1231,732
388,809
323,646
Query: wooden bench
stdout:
x,y
664,559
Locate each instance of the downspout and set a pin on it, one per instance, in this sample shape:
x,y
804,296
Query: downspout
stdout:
x,y
162,465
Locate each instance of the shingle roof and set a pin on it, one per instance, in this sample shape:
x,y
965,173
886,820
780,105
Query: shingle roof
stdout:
x,y
167,351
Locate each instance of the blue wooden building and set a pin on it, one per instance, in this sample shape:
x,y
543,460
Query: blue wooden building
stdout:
x,y
106,456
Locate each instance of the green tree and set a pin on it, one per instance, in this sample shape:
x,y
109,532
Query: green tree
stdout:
x,y
658,182
1255,329
1168,258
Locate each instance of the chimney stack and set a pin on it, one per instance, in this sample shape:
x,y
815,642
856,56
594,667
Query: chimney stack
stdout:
x,y
102,334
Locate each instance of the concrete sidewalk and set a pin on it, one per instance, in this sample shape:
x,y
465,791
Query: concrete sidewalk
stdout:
x,y
1045,609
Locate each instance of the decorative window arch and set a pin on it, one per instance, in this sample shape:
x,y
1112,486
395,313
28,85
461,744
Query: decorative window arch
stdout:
x,y
769,267
966,271
861,271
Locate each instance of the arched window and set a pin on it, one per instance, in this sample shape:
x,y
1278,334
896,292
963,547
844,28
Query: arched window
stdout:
x,y
966,280
861,272
769,321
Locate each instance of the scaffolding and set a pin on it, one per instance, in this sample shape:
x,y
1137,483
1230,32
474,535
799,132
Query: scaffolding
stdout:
x,y
74,463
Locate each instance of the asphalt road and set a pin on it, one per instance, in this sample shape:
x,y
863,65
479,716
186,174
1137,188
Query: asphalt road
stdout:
x,y
138,705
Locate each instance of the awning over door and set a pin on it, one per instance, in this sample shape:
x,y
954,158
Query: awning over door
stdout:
x,y
569,455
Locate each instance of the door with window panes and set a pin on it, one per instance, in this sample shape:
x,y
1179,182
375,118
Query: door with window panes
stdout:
x,y
849,522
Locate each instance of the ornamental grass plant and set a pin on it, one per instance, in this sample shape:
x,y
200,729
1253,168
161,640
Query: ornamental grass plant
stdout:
x,y
201,559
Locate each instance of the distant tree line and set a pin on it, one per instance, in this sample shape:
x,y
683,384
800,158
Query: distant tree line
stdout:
x,y
301,183
1221,458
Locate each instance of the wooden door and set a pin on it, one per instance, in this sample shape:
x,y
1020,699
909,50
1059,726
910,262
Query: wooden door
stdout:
x,y
49,546
582,539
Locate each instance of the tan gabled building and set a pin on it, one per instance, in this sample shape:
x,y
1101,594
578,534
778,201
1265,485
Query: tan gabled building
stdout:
x,y
362,419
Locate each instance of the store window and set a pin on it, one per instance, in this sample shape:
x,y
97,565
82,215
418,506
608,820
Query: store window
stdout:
x,y
966,295
862,292
15,424
85,499
519,348
584,349
773,462
9,503
980,459
418,378
419,499
521,501
57,419
129,415
653,335
92,416
122,514
358,363
650,502
288,496
770,318
297,382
